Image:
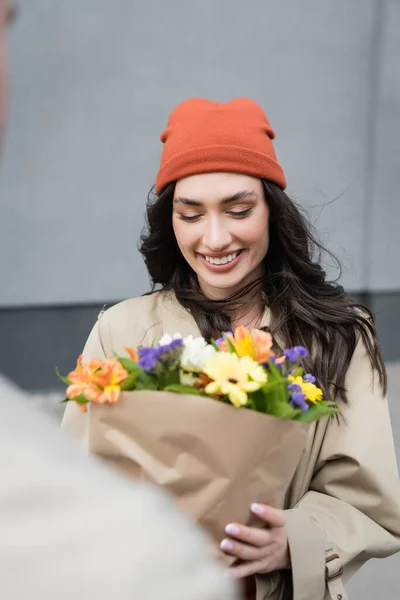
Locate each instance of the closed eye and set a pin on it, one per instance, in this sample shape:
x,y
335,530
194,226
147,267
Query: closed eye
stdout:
x,y
241,214
237,214
190,219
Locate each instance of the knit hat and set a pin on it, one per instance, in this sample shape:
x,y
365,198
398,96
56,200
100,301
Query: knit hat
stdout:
x,y
204,136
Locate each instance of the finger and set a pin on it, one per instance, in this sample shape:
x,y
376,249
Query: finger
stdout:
x,y
273,516
250,535
249,568
242,551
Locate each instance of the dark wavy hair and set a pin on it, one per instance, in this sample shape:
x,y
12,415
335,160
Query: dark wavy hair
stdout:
x,y
306,309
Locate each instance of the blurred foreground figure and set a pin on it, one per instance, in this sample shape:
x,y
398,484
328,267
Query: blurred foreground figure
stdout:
x,y
69,529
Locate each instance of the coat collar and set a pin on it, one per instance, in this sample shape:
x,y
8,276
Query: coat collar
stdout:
x,y
177,319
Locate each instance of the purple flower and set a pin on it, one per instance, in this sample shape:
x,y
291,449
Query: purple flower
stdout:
x,y
148,357
222,338
295,354
309,378
299,401
293,387
177,343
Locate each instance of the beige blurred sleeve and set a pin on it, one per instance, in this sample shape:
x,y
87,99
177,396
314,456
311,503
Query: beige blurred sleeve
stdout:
x,y
72,529
74,421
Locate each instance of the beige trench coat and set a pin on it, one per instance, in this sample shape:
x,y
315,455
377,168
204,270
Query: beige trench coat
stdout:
x,y
345,496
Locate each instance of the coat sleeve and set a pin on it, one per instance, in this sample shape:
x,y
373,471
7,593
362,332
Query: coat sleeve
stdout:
x,y
74,421
129,323
353,504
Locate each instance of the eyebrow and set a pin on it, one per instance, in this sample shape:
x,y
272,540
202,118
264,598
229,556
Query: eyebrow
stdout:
x,y
226,200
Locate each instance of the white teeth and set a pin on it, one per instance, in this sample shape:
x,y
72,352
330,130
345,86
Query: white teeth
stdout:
x,y
223,260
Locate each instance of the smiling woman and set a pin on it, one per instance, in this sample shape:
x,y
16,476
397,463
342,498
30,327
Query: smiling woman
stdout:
x,y
224,246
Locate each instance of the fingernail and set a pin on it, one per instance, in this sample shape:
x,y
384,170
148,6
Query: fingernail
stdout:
x,y
232,529
226,545
257,509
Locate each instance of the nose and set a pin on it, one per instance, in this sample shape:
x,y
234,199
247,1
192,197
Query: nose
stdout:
x,y
217,236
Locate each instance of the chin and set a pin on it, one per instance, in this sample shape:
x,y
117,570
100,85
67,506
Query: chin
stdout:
x,y
227,286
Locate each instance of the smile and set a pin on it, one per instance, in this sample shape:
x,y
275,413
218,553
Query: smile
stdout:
x,y
222,260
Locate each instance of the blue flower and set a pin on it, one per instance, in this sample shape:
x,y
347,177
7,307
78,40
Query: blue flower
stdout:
x,y
309,378
299,401
295,354
148,357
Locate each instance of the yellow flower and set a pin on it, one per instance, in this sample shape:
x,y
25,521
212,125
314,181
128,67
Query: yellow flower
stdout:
x,y
312,392
233,376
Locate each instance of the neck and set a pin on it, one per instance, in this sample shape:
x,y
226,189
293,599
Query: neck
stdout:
x,y
249,316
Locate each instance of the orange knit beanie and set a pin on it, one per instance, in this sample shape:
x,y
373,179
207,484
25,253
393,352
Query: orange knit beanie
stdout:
x,y
204,136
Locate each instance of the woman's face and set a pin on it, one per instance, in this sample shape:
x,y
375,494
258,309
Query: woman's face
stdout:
x,y
220,221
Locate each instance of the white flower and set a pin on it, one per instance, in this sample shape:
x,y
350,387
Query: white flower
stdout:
x,y
167,339
187,378
195,353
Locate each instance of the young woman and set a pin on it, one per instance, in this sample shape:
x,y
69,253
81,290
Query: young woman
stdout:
x,y
226,246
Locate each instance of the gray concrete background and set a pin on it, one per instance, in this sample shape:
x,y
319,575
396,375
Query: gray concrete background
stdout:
x,y
94,82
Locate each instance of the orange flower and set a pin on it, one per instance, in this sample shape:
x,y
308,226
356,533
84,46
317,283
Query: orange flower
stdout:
x,y
256,344
263,343
109,379
82,378
132,354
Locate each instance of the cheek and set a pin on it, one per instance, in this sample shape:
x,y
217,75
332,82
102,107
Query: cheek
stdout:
x,y
256,233
185,236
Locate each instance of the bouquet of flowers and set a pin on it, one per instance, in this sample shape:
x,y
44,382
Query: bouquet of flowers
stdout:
x,y
169,414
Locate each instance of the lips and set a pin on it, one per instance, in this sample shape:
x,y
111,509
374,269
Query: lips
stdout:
x,y
222,263
222,260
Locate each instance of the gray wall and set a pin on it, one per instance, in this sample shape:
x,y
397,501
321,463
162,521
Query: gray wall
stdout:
x,y
94,81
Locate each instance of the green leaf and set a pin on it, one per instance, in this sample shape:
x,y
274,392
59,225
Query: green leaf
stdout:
x,y
280,409
297,372
274,371
174,377
183,389
80,399
259,400
145,381
130,365
65,400
63,379
231,347
214,344
318,411
272,385
130,382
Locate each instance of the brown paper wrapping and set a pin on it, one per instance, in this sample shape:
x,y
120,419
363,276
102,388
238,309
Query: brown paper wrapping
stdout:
x,y
214,458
